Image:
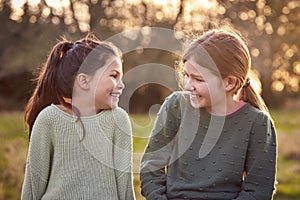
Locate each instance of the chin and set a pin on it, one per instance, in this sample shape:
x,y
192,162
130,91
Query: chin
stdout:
x,y
114,105
195,104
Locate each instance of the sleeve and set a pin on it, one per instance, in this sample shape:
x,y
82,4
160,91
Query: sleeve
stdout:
x,y
38,160
122,155
260,166
159,149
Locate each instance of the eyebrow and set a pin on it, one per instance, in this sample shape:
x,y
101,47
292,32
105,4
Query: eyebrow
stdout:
x,y
114,70
194,75
117,72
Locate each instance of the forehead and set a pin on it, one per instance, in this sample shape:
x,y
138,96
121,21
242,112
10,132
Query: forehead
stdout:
x,y
203,66
193,68
203,61
114,64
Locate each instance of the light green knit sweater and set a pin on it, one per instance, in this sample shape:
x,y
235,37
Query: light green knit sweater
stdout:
x,y
59,166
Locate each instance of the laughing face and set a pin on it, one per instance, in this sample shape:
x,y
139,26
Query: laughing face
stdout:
x,y
206,88
107,85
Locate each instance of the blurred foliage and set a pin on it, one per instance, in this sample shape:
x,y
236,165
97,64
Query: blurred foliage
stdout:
x,y
272,28
31,27
14,144
13,150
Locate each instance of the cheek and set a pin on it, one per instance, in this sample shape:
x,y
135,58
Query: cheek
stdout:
x,y
209,91
217,90
106,85
202,88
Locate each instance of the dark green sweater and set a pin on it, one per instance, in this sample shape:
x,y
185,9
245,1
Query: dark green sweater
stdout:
x,y
194,155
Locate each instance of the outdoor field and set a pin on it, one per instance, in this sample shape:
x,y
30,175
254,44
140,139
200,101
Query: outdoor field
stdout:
x,y
13,150
46,45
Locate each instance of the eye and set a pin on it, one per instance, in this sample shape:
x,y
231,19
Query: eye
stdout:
x,y
114,75
200,80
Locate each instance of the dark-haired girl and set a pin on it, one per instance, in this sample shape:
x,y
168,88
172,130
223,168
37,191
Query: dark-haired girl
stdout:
x,y
80,140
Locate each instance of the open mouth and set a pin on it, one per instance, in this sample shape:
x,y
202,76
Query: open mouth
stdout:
x,y
194,95
115,95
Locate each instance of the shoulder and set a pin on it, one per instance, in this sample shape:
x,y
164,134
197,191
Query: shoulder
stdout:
x,y
119,113
121,118
176,99
251,114
44,123
262,125
260,117
48,114
178,96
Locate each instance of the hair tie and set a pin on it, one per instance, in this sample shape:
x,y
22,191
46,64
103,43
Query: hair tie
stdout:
x,y
247,83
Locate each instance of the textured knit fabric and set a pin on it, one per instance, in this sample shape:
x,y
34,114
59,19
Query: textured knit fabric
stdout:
x,y
59,166
195,155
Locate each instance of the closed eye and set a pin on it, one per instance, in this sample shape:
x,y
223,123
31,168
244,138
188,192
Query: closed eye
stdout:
x,y
197,78
200,79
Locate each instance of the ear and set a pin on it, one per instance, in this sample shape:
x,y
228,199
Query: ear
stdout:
x,y
83,81
230,83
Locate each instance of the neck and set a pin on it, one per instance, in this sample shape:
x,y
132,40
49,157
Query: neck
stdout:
x,y
224,107
85,110
84,106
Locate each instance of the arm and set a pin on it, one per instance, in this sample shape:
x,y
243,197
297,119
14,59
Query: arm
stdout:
x,y
38,160
159,149
122,155
260,165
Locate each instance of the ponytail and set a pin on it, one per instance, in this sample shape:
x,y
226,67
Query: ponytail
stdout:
x,y
45,92
250,95
56,80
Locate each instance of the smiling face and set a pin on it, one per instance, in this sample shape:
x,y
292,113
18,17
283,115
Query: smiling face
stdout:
x,y
207,90
107,85
99,90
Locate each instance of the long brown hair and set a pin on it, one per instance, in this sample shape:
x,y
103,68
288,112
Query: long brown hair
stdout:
x,y
56,79
231,56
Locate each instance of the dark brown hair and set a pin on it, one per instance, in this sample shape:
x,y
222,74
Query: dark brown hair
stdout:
x,y
228,52
56,79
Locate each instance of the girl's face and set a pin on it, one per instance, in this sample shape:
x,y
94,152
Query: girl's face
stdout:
x,y
107,85
206,89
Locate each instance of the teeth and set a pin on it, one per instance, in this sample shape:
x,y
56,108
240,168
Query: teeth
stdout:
x,y
115,95
185,92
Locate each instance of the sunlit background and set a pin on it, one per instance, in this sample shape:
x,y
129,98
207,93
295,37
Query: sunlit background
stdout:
x,y
271,28
30,28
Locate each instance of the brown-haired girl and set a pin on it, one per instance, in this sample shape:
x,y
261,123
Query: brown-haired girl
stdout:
x,y
80,140
216,140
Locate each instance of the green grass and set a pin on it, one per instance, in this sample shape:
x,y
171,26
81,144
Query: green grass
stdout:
x,y
141,126
288,169
13,150
286,121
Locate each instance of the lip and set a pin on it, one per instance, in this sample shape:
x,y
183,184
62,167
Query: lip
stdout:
x,y
194,95
194,98
116,94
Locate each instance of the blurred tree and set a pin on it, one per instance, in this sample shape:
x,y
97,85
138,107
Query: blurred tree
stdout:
x,y
271,28
24,47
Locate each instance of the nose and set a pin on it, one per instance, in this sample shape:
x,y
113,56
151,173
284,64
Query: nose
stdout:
x,y
188,85
121,85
